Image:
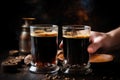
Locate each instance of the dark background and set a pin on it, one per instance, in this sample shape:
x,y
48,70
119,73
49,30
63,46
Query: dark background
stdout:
x,y
101,15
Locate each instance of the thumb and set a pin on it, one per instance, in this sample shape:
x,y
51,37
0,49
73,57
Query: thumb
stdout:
x,y
92,48
61,45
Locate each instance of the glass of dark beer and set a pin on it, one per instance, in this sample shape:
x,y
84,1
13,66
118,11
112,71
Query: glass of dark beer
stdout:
x,y
44,48
75,43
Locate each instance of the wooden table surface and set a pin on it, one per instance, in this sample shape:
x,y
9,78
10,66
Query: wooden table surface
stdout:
x,y
100,72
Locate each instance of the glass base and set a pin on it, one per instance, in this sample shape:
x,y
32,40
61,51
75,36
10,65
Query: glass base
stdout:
x,y
44,70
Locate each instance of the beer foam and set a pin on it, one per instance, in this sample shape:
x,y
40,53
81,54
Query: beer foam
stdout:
x,y
77,34
42,33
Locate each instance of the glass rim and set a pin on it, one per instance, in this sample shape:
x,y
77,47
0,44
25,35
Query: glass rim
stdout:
x,y
43,25
76,27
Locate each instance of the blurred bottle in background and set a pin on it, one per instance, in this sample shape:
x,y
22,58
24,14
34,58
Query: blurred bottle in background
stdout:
x,y
24,40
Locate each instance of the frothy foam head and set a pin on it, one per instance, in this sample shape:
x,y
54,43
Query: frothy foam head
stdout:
x,y
77,34
42,33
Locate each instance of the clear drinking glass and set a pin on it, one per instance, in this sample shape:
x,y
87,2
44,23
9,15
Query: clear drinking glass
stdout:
x,y
44,48
75,43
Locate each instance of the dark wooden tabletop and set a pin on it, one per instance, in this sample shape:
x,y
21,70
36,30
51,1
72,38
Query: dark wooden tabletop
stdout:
x,y
104,71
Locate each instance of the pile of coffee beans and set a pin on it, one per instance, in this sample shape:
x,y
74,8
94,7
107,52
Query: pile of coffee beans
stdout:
x,y
58,77
12,63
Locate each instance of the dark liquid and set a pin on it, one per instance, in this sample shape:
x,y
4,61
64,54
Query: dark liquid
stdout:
x,y
75,50
44,49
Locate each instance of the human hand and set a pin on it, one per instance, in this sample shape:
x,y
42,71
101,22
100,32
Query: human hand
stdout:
x,y
99,42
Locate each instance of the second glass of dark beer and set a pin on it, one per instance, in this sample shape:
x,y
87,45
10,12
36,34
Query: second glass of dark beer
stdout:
x,y
75,43
44,48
